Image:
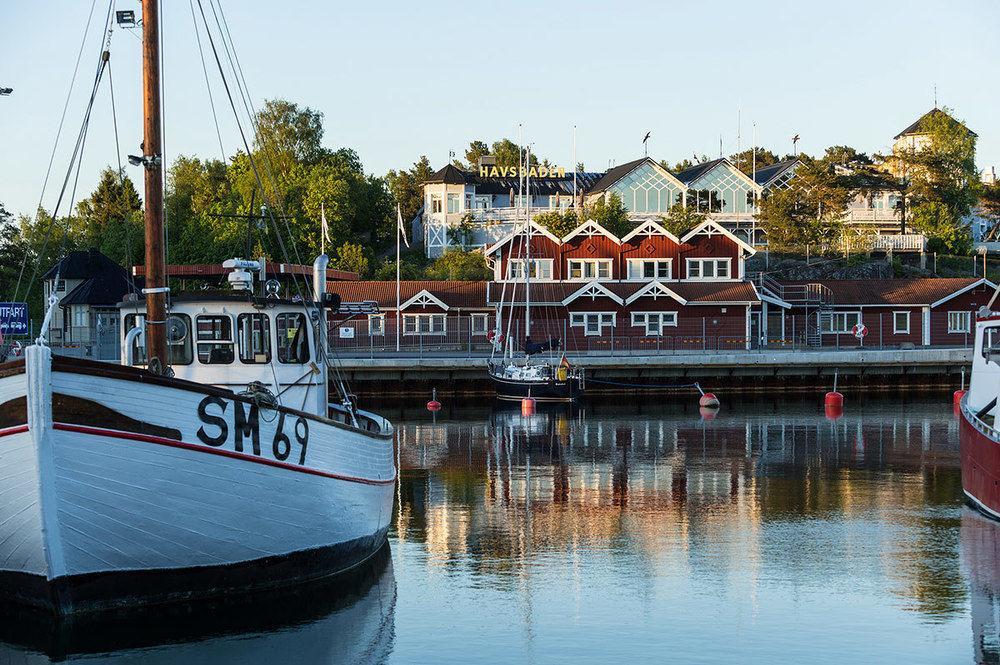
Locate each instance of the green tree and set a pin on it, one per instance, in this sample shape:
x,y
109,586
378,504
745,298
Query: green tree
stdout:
x,y
610,214
110,219
941,180
459,265
475,150
407,187
558,222
350,257
684,164
12,253
679,219
744,160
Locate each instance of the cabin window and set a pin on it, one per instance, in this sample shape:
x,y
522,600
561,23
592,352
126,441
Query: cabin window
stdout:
x,y
708,268
838,323
376,324
293,339
180,349
901,323
215,340
424,324
254,338
959,322
653,323
593,323
540,268
589,268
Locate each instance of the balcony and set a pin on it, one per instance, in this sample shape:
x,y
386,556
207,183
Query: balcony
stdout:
x,y
870,216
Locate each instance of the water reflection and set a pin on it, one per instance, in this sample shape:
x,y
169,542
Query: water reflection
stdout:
x,y
349,621
981,558
765,497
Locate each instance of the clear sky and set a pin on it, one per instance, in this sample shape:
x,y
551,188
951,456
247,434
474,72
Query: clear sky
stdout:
x,y
396,80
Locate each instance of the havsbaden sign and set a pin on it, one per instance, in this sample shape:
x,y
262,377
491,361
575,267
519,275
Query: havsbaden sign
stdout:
x,y
521,171
14,318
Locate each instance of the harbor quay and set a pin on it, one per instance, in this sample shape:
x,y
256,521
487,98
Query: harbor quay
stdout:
x,y
723,372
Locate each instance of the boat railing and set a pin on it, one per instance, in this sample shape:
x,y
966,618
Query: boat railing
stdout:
x,y
977,422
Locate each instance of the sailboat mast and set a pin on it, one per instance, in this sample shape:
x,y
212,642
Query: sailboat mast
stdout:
x,y
527,244
156,283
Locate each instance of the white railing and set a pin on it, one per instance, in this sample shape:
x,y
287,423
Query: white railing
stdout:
x,y
870,215
912,242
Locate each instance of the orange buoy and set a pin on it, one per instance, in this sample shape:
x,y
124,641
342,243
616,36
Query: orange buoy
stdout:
x,y
528,406
709,400
434,404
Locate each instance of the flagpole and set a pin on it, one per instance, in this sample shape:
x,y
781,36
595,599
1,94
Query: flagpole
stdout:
x,y
322,229
398,217
574,167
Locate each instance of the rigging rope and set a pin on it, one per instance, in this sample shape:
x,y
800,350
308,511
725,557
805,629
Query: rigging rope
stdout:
x,y
208,85
659,386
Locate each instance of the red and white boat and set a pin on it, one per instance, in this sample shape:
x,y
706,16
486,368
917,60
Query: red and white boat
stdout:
x,y
979,431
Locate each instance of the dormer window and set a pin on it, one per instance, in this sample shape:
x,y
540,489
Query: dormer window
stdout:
x,y
589,268
649,269
708,268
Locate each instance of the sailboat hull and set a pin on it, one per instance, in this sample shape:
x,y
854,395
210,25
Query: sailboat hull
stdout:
x,y
550,390
121,488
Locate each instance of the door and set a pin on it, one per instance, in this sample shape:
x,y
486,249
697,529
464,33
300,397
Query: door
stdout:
x,y
106,331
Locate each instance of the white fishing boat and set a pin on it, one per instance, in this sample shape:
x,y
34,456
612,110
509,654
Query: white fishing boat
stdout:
x,y
211,460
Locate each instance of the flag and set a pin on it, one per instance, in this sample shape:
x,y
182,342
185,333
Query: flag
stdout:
x,y
400,227
326,227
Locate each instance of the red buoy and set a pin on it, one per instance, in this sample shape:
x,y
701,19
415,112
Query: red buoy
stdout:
x,y
709,400
708,413
528,406
434,404
834,399
957,396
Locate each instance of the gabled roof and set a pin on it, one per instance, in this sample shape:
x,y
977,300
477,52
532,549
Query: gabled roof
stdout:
x,y
766,175
649,228
536,230
424,298
616,173
591,228
84,265
692,174
916,292
654,290
714,228
104,291
919,125
592,289
454,294
449,175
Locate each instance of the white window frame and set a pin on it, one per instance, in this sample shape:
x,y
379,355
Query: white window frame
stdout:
x,y
957,316
425,324
896,329
593,323
637,269
826,322
483,202
700,264
437,204
457,198
376,325
660,320
541,269
80,316
479,324
593,266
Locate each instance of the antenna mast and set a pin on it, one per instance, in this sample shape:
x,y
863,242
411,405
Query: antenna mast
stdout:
x,y
156,283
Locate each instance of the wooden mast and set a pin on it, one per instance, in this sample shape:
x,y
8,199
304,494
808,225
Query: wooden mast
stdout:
x,y
156,286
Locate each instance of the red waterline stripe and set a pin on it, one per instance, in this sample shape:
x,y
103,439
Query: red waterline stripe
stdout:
x,y
17,429
116,434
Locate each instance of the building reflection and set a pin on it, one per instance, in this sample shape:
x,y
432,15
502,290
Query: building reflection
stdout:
x,y
649,484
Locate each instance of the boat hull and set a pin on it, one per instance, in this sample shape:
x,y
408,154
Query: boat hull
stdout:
x,y
551,390
126,490
980,454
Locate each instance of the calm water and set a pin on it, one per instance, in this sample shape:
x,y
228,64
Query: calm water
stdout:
x,y
630,532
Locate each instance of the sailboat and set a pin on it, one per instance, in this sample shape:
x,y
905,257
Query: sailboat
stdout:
x,y
536,373
211,460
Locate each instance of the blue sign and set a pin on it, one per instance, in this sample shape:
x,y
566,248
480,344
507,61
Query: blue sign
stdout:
x,y
14,318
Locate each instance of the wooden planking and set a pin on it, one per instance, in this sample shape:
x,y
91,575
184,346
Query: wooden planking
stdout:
x,y
20,514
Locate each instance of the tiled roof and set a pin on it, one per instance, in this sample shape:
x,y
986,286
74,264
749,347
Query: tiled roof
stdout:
x,y
918,291
918,126
459,294
84,265
107,291
450,175
692,292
